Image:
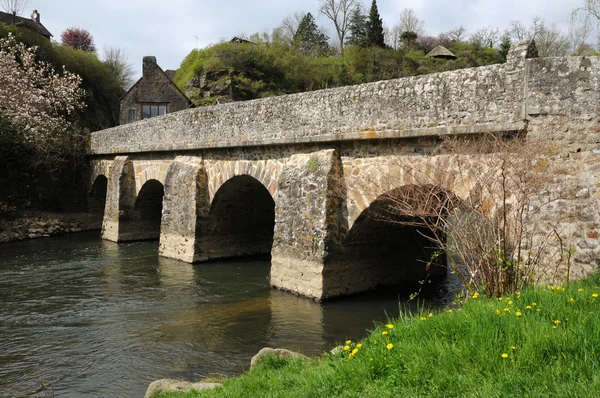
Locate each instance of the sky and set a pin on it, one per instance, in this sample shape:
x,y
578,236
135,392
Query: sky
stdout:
x,y
170,29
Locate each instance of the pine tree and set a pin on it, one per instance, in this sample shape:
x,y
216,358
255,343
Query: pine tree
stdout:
x,y
358,28
375,28
504,47
312,40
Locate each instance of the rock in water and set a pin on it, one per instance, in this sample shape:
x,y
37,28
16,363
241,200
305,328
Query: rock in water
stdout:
x,y
275,352
164,386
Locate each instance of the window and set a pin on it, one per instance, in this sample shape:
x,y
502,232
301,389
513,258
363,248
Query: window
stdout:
x,y
132,115
152,110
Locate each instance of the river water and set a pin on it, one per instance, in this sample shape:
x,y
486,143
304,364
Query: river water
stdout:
x,y
92,318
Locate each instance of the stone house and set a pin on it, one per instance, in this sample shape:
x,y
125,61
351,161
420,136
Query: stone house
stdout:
x,y
154,94
32,23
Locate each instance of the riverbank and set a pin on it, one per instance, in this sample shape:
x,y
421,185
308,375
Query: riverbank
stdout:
x,y
542,342
35,225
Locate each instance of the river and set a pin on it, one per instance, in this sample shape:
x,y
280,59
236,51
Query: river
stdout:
x,y
92,318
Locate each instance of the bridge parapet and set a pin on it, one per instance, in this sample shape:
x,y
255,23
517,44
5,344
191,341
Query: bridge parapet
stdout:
x,y
457,102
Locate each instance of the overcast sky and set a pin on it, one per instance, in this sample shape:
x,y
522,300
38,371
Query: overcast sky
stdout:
x,y
168,29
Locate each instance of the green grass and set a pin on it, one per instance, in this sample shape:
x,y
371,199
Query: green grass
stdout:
x,y
552,349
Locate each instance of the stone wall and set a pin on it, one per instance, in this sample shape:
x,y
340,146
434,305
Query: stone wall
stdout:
x,y
464,101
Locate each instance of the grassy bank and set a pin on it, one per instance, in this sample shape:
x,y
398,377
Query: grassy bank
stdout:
x,y
539,343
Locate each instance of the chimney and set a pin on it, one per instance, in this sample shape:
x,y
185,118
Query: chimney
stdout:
x,y
35,16
149,65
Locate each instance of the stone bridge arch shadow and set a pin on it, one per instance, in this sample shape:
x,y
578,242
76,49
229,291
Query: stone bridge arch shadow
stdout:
x,y
390,246
97,198
240,221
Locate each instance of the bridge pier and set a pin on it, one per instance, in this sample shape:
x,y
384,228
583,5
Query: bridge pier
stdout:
x,y
120,201
185,203
309,220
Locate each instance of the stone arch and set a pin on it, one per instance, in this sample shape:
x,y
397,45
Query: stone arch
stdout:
x,y
387,247
265,171
240,221
146,170
369,180
148,210
97,196
100,167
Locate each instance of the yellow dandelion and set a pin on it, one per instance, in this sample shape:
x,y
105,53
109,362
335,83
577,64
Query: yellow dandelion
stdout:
x,y
518,313
449,310
580,290
506,309
499,298
423,318
557,321
553,327
595,295
513,347
498,312
534,304
346,347
475,295
370,359
354,351
528,307
571,300
389,326
359,345
389,346
518,294
504,355
510,302
430,315
348,341
384,332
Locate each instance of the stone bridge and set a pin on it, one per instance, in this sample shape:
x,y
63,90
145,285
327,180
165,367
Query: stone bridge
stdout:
x,y
293,175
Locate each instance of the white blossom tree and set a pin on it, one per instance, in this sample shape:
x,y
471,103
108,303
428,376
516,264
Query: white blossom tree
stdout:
x,y
36,99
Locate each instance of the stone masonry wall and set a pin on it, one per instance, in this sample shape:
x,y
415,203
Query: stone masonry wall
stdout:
x,y
464,101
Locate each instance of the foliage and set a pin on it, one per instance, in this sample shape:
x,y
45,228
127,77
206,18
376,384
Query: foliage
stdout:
x,y
536,343
35,99
79,39
261,70
102,90
117,65
312,40
375,35
358,26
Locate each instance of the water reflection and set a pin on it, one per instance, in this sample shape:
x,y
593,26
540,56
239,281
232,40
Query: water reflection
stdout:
x,y
98,319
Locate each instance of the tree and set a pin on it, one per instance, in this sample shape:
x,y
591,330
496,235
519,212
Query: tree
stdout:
x,y
549,40
375,36
35,99
312,40
456,34
13,7
409,22
78,38
408,39
504,47
286,31
358,27
339,12
116,62
486,37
